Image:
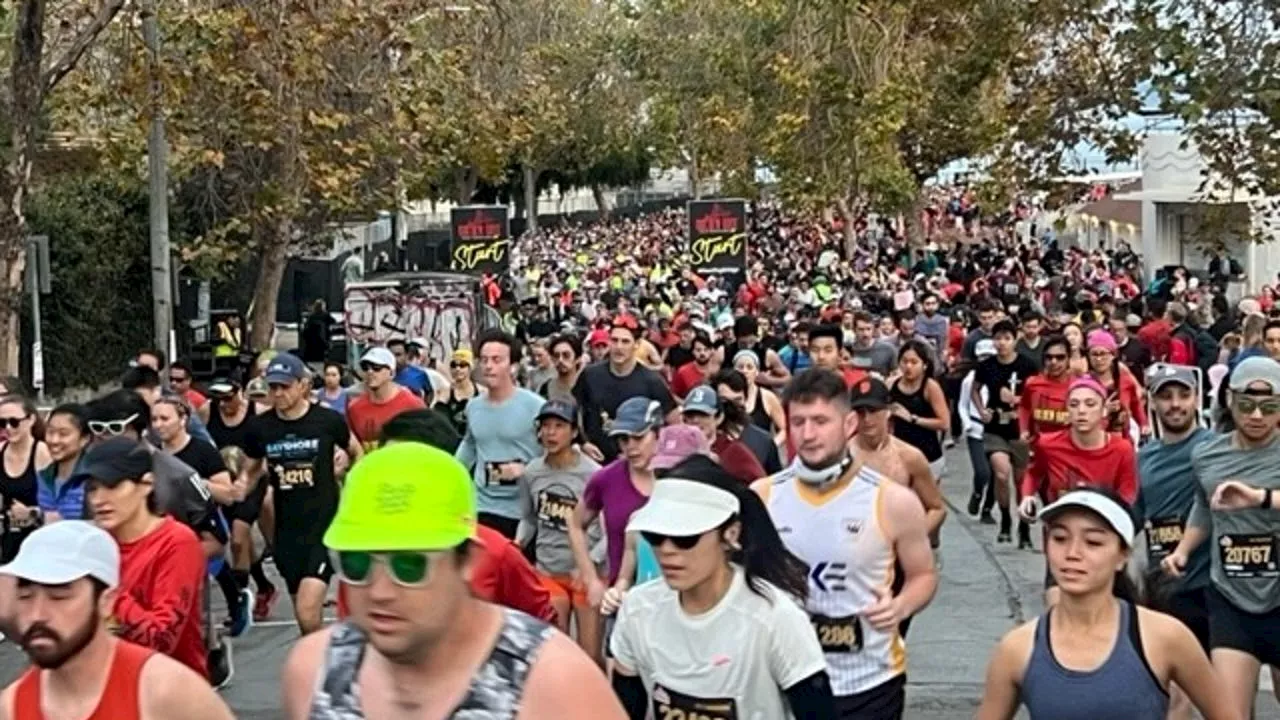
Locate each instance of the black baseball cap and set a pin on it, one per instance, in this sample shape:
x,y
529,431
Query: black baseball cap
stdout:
x,y
115,460
560,410
870,394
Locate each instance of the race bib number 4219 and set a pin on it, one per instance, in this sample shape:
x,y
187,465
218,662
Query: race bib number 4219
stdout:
x,y
671,705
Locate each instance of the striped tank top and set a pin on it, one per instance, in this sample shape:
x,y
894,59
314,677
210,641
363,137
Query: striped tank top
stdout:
x,y
841,534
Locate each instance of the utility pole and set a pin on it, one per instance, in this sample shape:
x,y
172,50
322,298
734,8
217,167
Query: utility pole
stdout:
x,y
157,165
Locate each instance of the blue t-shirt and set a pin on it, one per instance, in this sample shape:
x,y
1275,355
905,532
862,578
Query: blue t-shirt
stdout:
x,y
647,568
414,378
1167,491
499,433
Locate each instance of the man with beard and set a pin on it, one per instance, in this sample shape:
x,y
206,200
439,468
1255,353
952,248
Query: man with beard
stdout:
x,y
564,357
681,353
690,375
67,576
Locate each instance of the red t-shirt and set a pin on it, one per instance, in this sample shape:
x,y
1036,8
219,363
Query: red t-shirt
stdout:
x,y
1043,408
1156,335
366,417
738,459
1059,465
161,603
195,399
686,378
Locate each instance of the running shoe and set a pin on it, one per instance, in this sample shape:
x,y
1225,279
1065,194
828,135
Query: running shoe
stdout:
x,y
1024,537
240,622
262,607
221,668
975,500
987,518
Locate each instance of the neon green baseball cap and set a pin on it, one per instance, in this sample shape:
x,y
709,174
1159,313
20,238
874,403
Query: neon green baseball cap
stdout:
x,y
405,496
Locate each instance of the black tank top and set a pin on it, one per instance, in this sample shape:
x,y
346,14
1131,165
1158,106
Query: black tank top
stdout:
x,y
225,435
455,409
922,438
760,416
23,489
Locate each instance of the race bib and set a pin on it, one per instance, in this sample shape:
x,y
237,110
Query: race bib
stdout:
x,y
838,635
297,473
671,705
493,474
1163,536
555,510
1248,556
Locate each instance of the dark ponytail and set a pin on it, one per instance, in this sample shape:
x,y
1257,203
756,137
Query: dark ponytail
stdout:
x,y
762,554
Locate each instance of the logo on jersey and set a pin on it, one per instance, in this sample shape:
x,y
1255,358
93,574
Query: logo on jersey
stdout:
x,y
853,526
829,577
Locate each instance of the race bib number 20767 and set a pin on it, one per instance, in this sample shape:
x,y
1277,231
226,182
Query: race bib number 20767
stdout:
x,y
671,705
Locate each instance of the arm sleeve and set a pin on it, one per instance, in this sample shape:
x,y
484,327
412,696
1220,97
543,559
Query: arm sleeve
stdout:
x,y
811,698
521,588
794,652
157,621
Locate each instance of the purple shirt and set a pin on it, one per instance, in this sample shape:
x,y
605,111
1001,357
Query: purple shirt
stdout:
x,y
610,491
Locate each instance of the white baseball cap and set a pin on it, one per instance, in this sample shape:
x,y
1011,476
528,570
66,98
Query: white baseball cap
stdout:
x,y
379,356
682,508
1109,510
64,552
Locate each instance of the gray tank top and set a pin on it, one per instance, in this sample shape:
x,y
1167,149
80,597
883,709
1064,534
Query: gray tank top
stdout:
x,y
494,693
1123,688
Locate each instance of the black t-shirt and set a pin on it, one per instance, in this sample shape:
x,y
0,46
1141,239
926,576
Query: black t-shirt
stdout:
x,y
599,393
202,457
677,356
225,436
1035,354
994,375
299,459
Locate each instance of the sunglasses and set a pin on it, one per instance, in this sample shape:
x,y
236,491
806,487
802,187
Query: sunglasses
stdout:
x,y
1055,357
179,379
13,423
111,427
682,542
458,365
372,367
1247,405
407,569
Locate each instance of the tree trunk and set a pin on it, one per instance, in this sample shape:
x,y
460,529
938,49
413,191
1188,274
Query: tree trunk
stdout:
x,y
27,96
849,217
694,185
266,293
530,182
465,180
602,203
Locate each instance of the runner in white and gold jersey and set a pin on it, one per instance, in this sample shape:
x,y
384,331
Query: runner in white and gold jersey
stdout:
x,y
850,524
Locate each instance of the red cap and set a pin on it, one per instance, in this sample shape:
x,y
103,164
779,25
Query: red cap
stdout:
x,y
598,337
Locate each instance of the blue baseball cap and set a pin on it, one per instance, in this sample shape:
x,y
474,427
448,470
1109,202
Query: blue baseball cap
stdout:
x,y
561,410
702,399
285,368
635,416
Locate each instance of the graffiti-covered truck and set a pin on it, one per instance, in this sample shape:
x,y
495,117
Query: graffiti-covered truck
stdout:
x,y
444,309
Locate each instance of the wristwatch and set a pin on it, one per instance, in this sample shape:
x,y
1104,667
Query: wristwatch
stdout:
x,y
1266,499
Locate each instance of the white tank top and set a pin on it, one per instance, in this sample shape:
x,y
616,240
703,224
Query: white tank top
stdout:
x,y
842,536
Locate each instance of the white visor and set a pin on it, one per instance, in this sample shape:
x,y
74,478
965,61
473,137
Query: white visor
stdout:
x,y
682,508
1115,515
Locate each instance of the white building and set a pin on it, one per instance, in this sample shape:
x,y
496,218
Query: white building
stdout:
x,y
1177,201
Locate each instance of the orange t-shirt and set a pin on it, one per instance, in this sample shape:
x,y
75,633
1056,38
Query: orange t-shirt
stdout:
x,y
366,417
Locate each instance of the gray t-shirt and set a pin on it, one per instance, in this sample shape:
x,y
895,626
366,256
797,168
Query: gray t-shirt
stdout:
x,y
934,329
548,497
880,357
180,491
1244,543
1167,494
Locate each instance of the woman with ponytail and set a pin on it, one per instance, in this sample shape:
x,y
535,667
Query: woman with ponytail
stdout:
x,y
1095,654
731,590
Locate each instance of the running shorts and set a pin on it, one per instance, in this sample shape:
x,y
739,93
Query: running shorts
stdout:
x,y
563,586
248,510
297,562
1231,627
1191,607
1018,452
887,701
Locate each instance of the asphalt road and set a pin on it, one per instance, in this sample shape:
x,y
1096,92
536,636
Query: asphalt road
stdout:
x,y
985,590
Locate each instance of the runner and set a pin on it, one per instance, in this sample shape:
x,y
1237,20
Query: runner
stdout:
x,y
705,363
603,387
162,566
919,408
417,640
746,333
1164,502
730,590
501,438
1085,455
850,525
230,419
1124,395
61,490
824,349
294,446
721,423
1043,405
1096,654
731,386
383,398
68,577
462,389
1004,377
408,375
761,404
24,457
1236,481
565,355
331,394
983,497
553,485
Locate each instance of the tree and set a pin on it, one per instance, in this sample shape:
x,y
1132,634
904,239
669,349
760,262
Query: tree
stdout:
x,y
33,74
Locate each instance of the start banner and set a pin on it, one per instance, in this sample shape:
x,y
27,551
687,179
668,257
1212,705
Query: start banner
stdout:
x,y
481,239
718,236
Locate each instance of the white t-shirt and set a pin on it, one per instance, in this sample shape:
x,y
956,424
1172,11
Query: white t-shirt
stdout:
x,y
744,652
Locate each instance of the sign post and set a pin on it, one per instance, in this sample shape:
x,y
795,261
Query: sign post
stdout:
x,y
481,239
39,282
718,237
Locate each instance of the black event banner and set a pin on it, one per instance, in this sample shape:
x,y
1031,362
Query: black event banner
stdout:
x,y
481,239
718,236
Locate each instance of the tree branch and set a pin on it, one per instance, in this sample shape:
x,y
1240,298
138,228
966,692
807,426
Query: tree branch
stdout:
x,y
67,61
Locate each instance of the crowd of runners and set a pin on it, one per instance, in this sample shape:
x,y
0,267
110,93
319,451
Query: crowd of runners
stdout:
x,y
671,496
